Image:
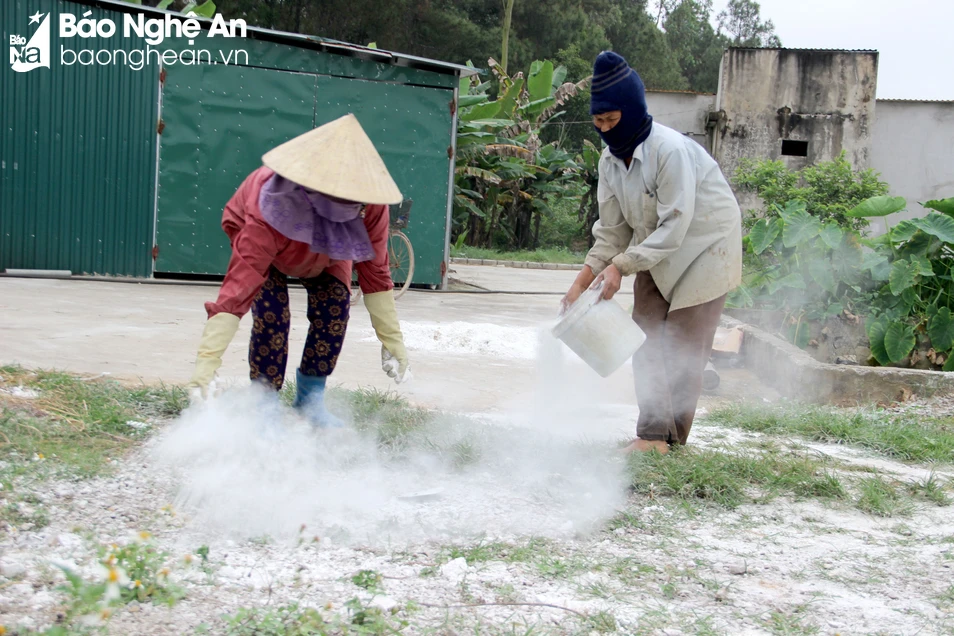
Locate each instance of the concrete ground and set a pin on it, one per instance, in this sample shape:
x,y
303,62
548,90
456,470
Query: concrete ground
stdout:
x,y
471,352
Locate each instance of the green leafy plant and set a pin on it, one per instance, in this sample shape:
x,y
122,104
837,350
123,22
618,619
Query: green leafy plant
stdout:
x,y
911,317
829,189
800,266
811,270
369,580
506,178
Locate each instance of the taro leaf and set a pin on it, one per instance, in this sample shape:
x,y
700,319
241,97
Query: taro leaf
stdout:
x,y
800,226
831,234
846,262
792,281
821,271
834,309
741,297
910,300
898,341
919,245
878,206
791,207
763,234
924,265
879,265
937,225
941,329
876,333
903,275
943,205
903,231
949,365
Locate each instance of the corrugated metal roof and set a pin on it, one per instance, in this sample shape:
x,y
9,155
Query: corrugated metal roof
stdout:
x,y
928,101
663,90
777,48
311,41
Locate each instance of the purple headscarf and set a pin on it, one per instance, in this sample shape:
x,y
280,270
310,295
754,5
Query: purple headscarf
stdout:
x,y
329,226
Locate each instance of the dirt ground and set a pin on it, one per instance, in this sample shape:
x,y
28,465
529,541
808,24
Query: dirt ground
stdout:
x,y
498,551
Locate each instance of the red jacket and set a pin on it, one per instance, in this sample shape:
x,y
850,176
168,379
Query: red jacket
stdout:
x,y
256,247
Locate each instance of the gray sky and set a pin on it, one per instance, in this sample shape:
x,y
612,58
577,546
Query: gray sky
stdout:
x,y
913,38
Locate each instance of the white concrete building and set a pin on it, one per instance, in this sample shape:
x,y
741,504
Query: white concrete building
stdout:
x,y
806,106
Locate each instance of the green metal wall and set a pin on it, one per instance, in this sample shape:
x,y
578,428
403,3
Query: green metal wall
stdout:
x,y
79,154
77,158
411,128
219,121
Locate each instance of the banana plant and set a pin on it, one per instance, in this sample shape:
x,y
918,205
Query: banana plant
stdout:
x,y
505,177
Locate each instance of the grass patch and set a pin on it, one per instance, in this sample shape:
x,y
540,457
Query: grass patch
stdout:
x,y
782,623
903,436
932,489
294,620
551,255
497,551
55,424
881,498
730,480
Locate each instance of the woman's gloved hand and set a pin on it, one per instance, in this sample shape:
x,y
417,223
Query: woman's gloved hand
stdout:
x,y
218,333
384,319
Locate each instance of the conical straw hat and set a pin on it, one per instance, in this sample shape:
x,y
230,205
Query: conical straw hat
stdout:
x,y
337,159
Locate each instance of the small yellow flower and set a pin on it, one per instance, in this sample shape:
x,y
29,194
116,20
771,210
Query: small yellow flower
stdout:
x,y
110,560
105,614
145,536
329,605
164,572
188,559
3,630
40,455
137,583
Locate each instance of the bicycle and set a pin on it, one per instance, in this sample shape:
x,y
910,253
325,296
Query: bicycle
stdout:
x,y
400,252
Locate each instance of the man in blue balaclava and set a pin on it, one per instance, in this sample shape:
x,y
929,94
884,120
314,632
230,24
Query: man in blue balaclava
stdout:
x,y
667,216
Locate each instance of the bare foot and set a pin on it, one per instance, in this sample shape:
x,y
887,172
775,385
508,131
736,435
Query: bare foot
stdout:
x,y
646,445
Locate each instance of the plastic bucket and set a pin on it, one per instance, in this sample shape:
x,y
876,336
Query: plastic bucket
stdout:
x,y
600,332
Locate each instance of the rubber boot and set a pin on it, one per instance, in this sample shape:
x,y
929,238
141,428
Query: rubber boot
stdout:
x,y
310,401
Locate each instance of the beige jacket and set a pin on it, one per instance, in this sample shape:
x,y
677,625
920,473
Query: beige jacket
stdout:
x,y
672,213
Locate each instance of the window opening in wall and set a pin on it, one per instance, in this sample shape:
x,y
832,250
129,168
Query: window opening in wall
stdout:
x,y
793,148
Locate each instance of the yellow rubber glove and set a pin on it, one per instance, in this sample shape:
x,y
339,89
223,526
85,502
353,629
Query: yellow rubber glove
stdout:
x,y
218,333
385,322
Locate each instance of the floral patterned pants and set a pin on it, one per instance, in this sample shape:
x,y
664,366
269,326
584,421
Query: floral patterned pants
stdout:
x,y
329,303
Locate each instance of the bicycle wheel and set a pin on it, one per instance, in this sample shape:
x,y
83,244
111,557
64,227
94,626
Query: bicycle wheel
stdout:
x,y
401,261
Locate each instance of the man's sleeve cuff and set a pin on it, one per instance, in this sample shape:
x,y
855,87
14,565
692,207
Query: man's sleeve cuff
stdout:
x,y
626,264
